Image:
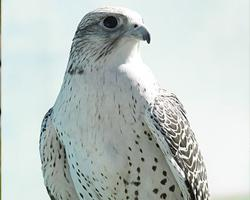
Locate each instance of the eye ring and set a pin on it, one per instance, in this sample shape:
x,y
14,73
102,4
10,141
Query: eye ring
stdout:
x,y
110,22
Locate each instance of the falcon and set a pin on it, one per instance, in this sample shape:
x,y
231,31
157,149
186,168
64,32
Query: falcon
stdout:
x,y
113,132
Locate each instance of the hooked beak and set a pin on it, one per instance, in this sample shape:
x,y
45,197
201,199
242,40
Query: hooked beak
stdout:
x,y
140,32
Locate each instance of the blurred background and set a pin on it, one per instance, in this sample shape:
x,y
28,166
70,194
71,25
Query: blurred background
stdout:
x,y
199,50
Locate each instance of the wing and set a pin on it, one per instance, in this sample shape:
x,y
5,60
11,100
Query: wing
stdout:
x,y
167,120
55,167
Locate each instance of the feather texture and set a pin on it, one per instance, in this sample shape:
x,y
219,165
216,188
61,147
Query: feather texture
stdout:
x,y
55,167
167,120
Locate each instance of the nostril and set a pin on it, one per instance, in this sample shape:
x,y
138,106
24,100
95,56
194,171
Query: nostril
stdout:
x,y
135,25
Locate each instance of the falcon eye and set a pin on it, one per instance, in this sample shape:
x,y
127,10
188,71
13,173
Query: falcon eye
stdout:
x,y
110,22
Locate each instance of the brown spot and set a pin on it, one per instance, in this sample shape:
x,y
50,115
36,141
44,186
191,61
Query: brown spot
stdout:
x,y
163,181
155,190
136,183
163,196
172,188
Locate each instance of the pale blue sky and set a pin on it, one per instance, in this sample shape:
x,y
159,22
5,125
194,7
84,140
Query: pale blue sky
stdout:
x,y
199,50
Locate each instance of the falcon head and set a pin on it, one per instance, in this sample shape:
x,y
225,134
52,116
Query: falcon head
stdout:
x,y
108,30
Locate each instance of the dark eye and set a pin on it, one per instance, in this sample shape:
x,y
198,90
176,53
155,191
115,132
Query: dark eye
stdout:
x,y
110,22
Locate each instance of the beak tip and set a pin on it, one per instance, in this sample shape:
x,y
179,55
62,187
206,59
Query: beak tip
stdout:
x,y
148,40
147,37
141,33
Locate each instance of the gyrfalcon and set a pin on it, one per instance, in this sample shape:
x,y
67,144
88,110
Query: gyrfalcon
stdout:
x,y
113,132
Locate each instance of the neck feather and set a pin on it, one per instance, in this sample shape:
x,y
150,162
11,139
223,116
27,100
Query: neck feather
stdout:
x,y
82,61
